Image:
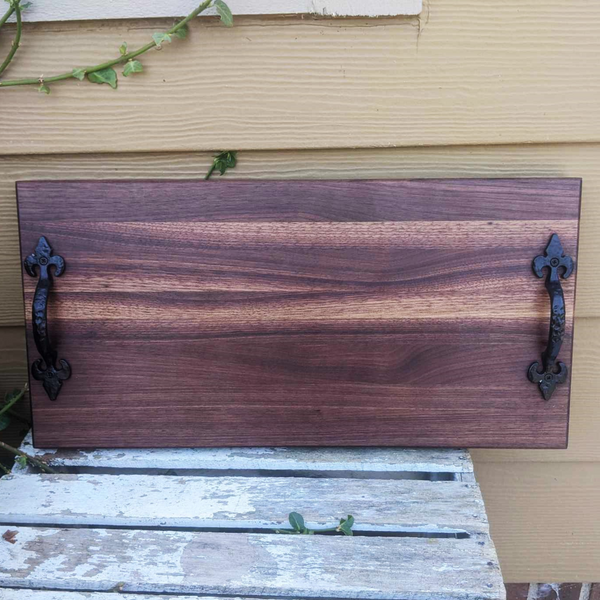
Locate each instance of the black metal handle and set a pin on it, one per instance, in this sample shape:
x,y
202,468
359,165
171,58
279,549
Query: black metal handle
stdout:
x,y
44,369
553,373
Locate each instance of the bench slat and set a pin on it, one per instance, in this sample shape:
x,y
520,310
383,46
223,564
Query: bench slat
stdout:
x,y
149,561
240,502
22,594
340,460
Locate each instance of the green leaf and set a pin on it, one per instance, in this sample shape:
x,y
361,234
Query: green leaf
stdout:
x,y
222,162
346,525
79,74
160,38
44,89
224,13
123,49
225,160
182,32
25,5
22,460
296,521
4,422
108,76
132,66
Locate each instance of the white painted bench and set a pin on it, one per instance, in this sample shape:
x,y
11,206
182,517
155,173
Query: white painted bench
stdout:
x,y
199,522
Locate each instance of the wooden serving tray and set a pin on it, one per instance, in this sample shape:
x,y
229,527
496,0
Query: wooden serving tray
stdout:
x,y
298,313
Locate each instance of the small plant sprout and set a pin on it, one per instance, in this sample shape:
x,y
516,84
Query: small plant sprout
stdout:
x,y
221,162
299,526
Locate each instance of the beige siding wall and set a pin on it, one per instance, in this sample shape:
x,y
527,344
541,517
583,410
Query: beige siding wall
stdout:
x,y
473,89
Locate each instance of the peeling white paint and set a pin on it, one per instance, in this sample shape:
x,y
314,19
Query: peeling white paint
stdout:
x,y
347,461
149,561
75,10
241,502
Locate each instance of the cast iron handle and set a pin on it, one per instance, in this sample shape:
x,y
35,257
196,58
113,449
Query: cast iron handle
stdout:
x,y
552,373
44,369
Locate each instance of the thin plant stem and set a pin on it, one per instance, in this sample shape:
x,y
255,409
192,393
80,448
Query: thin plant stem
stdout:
x,y
8,406
109,63
34,461
16,42
210,171
3,468
7,15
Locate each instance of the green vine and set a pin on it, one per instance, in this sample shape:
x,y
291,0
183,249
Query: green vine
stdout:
x,y
16,8
22,458
299,526
104,72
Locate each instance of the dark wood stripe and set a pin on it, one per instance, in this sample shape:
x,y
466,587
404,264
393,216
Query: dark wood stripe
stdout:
x,y
499,332
250,363
298,201
245,424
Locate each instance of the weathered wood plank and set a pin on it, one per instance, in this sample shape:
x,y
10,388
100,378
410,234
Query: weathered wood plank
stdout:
x,y
346,462
147,561
71,10
466,73
240,502
27,594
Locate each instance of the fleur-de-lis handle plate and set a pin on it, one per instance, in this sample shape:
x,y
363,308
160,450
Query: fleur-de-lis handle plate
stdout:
x,y
558,265
44,369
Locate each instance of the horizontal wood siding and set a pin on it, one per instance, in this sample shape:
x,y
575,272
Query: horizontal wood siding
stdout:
x,y
544,519
468,72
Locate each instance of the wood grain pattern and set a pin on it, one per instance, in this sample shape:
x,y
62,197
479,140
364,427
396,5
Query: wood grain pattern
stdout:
x,y
584,416
540,160
358,309
464,73
508,161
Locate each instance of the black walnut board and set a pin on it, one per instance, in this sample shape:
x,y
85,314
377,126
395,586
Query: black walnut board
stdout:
x,y
310,313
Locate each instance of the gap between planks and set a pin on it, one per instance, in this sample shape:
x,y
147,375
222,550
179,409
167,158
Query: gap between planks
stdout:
x,y
346,462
